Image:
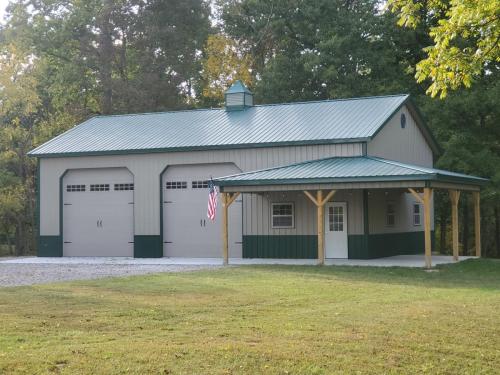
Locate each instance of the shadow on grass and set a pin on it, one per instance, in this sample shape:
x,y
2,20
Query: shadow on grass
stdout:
x,y
471,273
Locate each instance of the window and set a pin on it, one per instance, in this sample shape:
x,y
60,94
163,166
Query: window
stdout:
x,y
390,214
282,215
416,214
73,188
199,184
99,187
336,218
176,185
121,187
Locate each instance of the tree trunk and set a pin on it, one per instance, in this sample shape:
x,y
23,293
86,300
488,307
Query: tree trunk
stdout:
x,y
106,57
442,233
20,239
9,244
497,230
465,225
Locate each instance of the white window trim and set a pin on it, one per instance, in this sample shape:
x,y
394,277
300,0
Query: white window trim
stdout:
x,y
394,214
272,215
419,214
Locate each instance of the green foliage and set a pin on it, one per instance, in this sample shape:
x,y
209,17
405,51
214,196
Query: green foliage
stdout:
x,y
19,105
320,49
466,40
224,63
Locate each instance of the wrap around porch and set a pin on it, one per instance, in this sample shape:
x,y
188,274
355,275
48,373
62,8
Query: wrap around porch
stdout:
x,y
322,181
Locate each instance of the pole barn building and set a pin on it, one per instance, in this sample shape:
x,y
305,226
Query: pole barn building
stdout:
x,y
350,178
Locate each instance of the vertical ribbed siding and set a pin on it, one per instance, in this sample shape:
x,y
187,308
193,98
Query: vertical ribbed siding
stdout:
x,y
147,168
258,212
406,145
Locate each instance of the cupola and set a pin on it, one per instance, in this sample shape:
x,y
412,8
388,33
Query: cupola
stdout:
x,y
238,97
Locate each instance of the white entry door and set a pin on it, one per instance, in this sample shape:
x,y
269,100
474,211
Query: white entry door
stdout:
x,y
336,230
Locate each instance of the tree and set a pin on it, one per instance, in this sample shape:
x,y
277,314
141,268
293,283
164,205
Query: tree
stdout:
x,y
19,105
466,125
115,56
323,49
225,61
466,40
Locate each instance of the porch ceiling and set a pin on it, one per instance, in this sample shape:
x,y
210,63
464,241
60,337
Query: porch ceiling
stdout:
x,y
347,173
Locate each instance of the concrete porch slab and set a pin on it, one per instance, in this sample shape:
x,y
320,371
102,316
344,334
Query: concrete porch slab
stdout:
x,y
414,261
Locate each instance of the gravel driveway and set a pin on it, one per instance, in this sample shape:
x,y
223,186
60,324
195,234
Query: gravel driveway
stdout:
x,y
29,271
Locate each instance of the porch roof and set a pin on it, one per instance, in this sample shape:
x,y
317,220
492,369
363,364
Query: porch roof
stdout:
x,y
346,170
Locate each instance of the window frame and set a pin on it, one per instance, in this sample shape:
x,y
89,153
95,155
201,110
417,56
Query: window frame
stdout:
x,y
292,204
393,204
414,215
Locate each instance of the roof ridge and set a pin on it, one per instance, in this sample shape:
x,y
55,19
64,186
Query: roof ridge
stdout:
x,y
335,100
257,105
160,112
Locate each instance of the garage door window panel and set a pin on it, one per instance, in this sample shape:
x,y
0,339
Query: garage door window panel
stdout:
x,y
123,187
171,185
75,188
99,187
199,184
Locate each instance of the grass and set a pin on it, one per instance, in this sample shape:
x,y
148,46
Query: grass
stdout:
x,y
259,319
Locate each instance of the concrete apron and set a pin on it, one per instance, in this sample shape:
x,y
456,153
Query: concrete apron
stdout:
x,y
414,261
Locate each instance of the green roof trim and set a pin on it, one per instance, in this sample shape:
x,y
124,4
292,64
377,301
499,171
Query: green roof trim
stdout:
x,y
302,123
346,169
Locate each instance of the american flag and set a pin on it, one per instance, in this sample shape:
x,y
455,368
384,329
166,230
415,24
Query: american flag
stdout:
x,y
212,200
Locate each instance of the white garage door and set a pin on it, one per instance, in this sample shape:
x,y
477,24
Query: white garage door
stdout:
x,y
98,212
187,232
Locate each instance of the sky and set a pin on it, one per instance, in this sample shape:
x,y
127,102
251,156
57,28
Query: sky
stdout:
x,y
3,5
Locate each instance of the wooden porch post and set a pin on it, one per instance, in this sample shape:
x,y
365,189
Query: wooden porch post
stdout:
x,y
319,201
227,199
427,227
321,228
454,198
477,221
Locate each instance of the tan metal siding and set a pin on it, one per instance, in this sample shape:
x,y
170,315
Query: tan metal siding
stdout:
x,y
147,168
377,201
259,222
407,145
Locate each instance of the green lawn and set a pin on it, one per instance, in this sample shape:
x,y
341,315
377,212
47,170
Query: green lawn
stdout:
x,y
259,319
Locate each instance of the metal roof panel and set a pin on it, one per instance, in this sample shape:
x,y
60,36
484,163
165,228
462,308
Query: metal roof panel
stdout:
x,y
337,169
310,122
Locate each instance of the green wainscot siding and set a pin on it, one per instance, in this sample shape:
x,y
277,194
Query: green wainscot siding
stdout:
x,y
283,247
49,246
148,246
386,244
359,246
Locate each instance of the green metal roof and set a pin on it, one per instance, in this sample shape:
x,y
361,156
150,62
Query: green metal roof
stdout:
x,y
317,122
237,87
345,169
